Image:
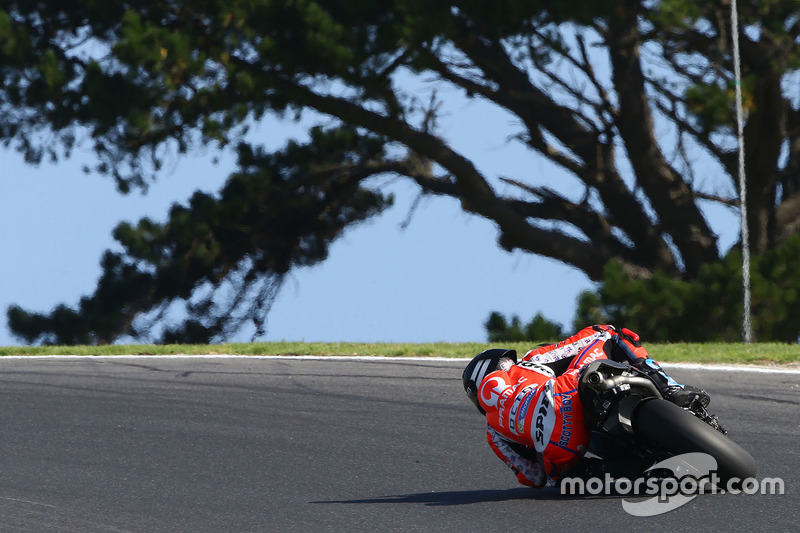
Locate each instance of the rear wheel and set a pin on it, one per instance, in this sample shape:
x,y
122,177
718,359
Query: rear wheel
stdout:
x,y
677,431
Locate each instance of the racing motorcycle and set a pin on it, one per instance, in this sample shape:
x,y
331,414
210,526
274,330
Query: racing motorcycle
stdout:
x,y
634,427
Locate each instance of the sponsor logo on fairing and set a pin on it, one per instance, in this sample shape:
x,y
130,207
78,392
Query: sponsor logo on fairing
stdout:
x,y
544,418
566,421
494,392
594,355
523,410
512,416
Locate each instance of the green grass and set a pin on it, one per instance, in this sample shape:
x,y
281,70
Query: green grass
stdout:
x,y
758,353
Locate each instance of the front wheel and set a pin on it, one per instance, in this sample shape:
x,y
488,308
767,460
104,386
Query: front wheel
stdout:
x,y
677,431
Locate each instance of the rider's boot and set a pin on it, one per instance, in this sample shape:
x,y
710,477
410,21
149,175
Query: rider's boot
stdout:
x,y
626,346
681,395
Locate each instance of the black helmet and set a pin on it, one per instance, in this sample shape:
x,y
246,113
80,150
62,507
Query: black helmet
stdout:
x,y
481,366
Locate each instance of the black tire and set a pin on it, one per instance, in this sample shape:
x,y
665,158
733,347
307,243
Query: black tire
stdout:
x,y
677,431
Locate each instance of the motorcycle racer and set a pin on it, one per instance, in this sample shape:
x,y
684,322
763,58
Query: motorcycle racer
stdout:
x,y
535,421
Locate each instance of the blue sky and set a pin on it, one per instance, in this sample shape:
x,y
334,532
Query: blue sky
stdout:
x,y
436,280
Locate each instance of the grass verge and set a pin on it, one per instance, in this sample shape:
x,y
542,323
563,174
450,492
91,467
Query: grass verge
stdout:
x,y
730,353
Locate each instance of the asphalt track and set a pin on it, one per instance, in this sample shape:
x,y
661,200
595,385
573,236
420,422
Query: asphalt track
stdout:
x,y
245,444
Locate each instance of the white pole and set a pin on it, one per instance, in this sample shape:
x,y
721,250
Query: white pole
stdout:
x,y
747,324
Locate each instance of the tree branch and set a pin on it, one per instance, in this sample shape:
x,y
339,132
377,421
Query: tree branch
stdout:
x,y
728,159
475,193
593,161
669,195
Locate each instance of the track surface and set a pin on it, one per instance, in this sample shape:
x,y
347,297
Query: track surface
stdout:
x,y
151,444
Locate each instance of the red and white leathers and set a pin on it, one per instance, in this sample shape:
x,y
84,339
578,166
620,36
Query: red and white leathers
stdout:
x,y
535,421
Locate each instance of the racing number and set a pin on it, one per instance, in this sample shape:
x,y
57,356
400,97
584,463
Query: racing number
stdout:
x,y
537,367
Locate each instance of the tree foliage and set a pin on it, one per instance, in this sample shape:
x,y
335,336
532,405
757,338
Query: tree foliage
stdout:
x,y
223,255
707,308
539,329
632,100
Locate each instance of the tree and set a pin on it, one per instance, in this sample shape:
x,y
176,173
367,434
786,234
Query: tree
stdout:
x,y
632,100
226,255
707,308
539,329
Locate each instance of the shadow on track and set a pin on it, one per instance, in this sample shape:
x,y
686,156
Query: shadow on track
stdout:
x,y
467,497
